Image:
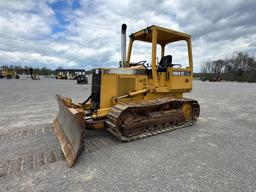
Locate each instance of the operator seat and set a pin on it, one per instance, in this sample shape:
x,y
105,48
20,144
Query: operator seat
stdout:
x,y
166,61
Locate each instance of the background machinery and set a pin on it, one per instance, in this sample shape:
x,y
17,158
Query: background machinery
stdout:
x,y
70,74
8,74
33,75
82,79
132,101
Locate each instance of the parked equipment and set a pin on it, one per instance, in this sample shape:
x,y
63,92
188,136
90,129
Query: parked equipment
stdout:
x,y
8,74
70,74
215,79
61,76
33,75
132,101
211,78
82,79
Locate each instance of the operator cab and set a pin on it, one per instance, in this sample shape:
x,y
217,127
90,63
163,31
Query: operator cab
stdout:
x,y
162,41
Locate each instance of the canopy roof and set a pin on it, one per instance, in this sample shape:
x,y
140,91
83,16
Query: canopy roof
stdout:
x,y
164,36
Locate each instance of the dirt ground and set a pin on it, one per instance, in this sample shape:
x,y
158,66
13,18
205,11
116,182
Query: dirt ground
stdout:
x,y
217,154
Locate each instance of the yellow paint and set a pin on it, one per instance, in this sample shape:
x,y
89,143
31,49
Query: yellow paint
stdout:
x,y
135,88
8,73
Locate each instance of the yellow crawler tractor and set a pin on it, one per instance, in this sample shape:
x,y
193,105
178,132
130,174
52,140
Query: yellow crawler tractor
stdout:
x,y
133,101
8,74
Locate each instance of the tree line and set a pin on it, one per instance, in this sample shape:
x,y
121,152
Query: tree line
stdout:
x,y
26,70
239,67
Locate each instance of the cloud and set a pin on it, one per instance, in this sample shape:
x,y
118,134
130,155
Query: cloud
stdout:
x,y
25,58
23,25
86,34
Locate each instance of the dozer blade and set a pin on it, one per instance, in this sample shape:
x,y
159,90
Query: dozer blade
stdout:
x,y
69,126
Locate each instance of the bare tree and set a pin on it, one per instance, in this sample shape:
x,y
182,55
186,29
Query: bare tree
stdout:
x,y
241,66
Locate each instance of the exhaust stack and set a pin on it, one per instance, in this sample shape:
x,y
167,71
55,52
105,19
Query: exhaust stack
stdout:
x,y
123,45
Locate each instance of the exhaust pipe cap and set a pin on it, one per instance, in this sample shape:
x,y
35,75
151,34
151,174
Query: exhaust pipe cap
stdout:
x,y
124,27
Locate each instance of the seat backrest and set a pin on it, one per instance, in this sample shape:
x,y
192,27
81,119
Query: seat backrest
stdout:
x,y
166,61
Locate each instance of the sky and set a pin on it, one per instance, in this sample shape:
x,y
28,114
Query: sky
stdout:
x,y
86,33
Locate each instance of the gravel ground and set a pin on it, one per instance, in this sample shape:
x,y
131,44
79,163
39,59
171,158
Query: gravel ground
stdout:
x,y
217,154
